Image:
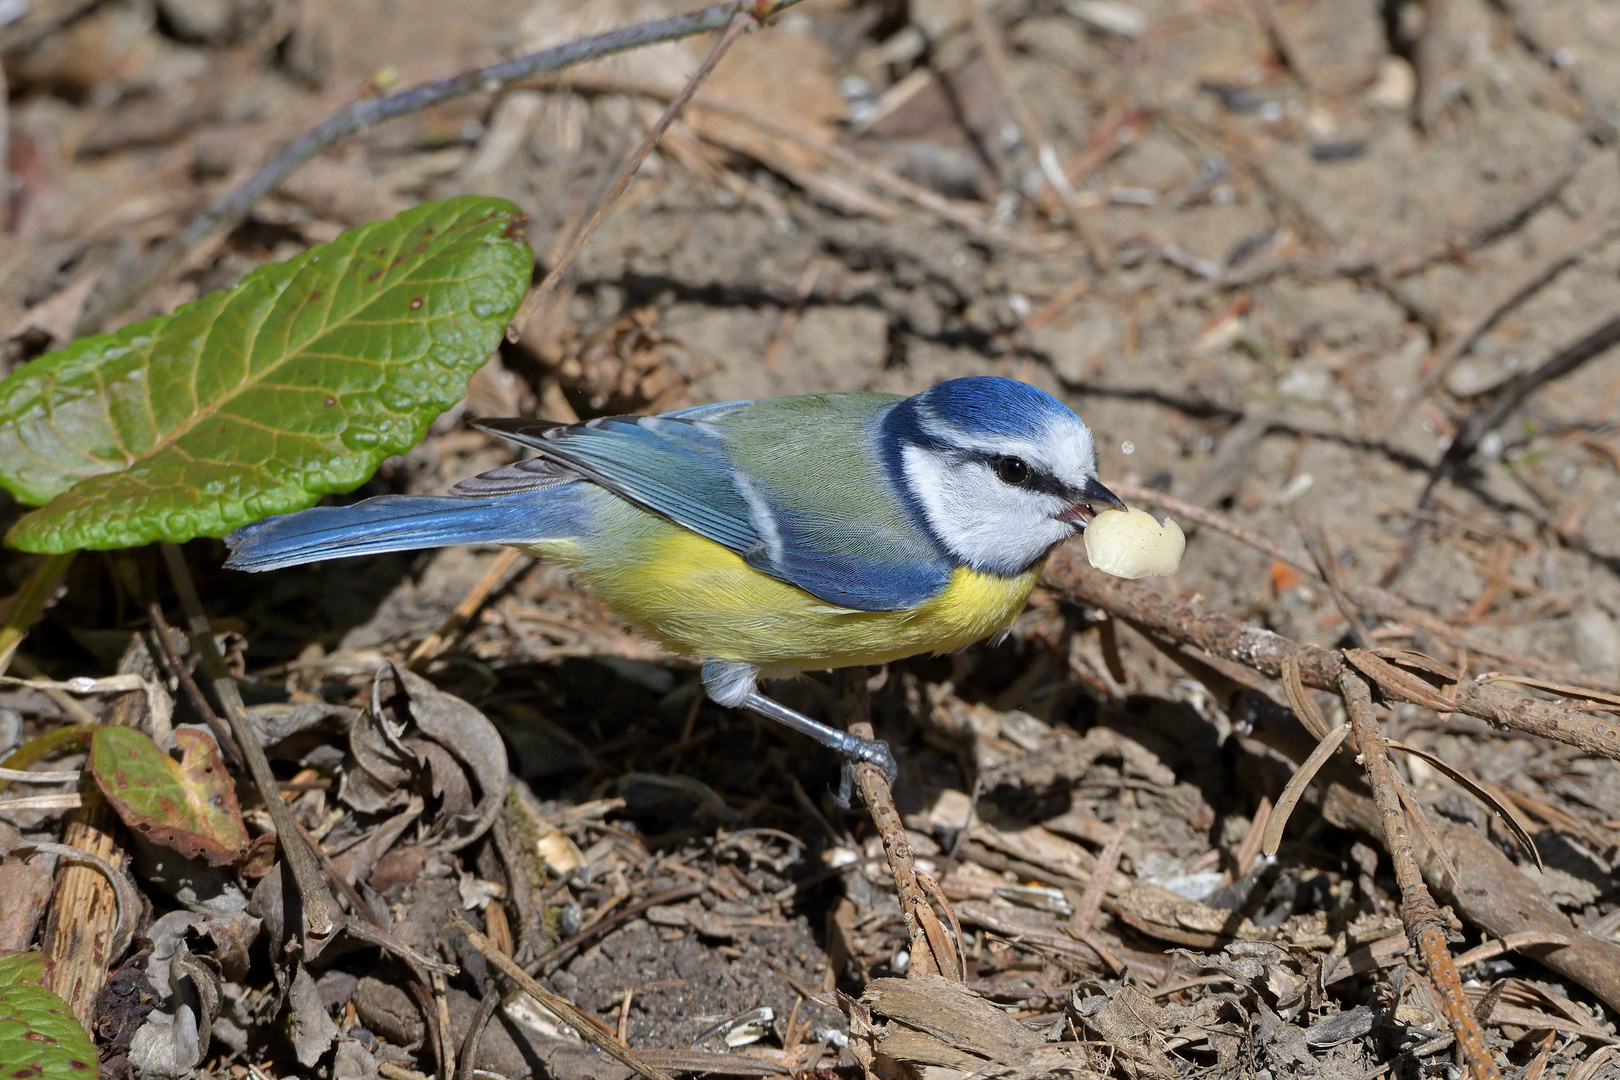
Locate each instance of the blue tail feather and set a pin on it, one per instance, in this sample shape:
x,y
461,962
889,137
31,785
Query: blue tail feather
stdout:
x,y
402,523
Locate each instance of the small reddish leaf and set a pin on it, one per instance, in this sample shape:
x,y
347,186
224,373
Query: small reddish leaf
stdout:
x,y
189,805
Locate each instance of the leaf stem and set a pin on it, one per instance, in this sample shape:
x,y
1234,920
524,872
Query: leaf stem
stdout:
x,y
231,208
40,747
306,874
29,601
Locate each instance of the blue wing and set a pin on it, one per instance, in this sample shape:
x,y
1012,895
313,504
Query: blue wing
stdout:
x,y
814,510
670,466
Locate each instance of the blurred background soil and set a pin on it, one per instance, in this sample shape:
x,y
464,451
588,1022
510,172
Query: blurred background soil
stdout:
x,y
1259,259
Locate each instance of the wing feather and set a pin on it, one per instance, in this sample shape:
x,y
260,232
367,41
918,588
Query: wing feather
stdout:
x,y
672,467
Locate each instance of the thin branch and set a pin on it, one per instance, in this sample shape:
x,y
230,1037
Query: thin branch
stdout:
x,y
193,692
931,950
741,20
1513,393
1268,652
1370,598
1424,924
1327,566
306,874
230,209
1429,64
1488,418
367,930
565,1010
883,179
1034,133
550,960
466,1065
432,645
1582,233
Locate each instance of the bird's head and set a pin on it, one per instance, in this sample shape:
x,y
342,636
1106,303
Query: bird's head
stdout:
x,y
997,470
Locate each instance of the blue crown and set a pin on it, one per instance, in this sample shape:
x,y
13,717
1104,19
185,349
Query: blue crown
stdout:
x,y
991,405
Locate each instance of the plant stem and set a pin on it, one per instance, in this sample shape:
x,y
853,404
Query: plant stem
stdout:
x,y
930,948
29,601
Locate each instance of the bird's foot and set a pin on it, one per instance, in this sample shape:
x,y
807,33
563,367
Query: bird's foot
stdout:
x,y
858,751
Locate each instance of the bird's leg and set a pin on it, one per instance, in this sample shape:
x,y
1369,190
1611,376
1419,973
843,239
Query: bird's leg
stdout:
x,y
733,685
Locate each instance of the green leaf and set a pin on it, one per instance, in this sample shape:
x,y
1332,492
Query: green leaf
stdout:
x,y
38,1035
189,805
23,967
258,400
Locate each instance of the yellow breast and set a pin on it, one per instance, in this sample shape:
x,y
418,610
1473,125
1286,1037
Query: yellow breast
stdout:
x,y
700,599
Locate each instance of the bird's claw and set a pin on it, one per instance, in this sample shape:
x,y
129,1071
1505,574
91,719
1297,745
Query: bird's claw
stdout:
x,y
859,751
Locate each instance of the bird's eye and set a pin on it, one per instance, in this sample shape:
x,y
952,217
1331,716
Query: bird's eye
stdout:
x,y
1012,470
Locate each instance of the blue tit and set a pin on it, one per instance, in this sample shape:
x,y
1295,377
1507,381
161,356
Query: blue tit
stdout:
x,y
767,537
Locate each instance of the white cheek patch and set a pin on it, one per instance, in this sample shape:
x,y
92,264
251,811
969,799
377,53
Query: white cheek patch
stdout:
x,y
985,523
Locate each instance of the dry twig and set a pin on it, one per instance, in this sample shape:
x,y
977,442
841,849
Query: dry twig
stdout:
x,y
564,1009
1034,133
744,17
1429,64
1267,652
932,952
432,645
955,213
1424,924
317,916
1369,598
1513,393
188,685
1580,234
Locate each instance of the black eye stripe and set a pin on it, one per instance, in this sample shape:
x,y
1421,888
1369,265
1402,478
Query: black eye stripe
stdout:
x,y
1035,479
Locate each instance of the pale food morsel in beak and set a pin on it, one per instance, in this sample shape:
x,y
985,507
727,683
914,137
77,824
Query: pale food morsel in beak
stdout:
x,y
1094,498
1131,544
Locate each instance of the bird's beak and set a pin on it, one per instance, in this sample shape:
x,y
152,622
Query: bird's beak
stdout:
x,y
1093,497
